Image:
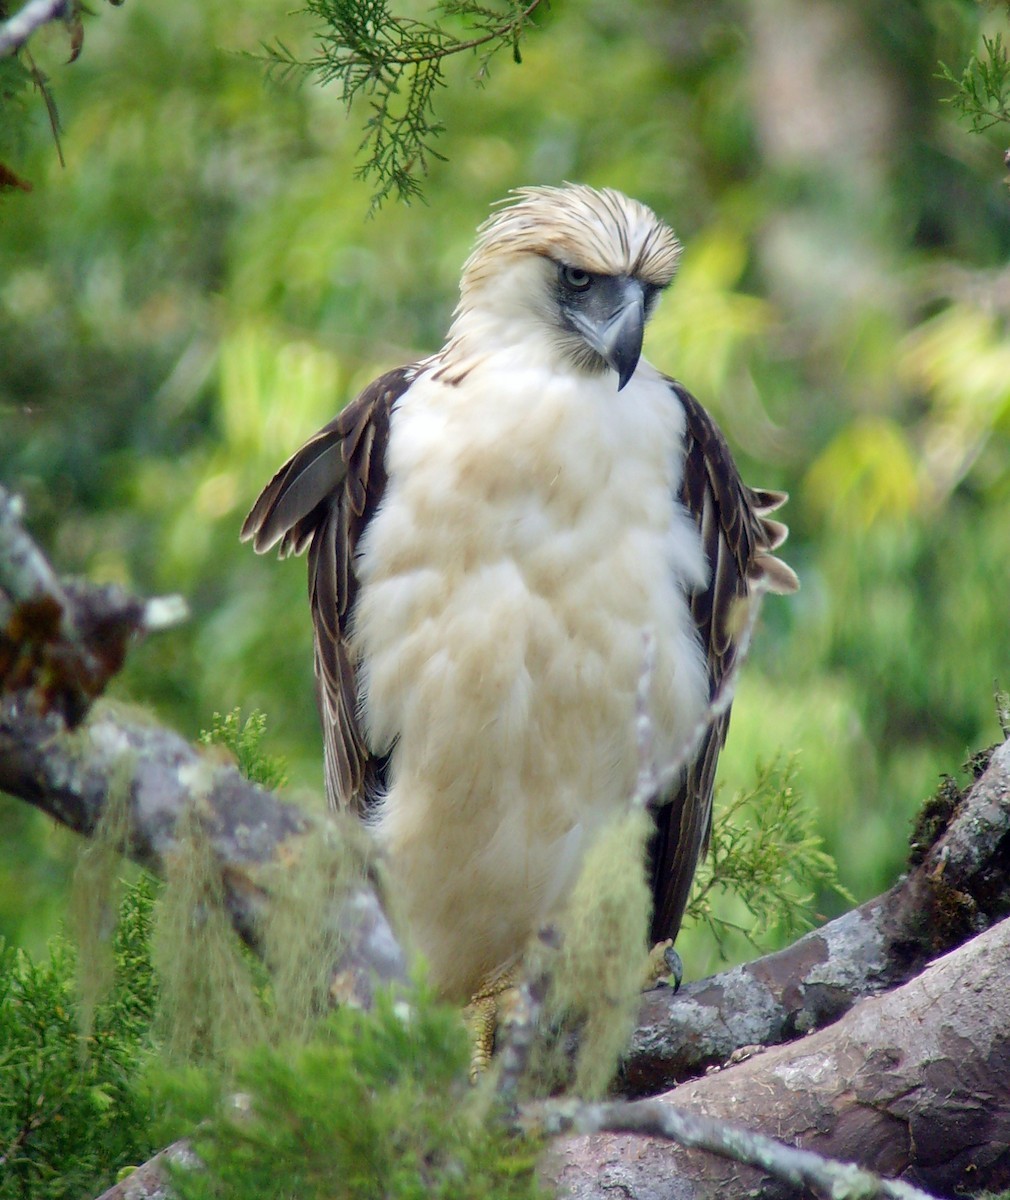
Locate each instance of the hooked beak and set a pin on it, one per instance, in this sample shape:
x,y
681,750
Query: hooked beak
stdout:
x,y
614,325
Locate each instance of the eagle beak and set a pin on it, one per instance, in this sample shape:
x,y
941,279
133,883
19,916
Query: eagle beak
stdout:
x,y
621,337
612,322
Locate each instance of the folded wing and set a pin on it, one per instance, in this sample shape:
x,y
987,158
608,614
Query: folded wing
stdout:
x,y
739,538
323,497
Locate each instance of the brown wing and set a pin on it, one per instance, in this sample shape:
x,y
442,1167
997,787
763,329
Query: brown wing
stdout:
x,y
739,539
323,497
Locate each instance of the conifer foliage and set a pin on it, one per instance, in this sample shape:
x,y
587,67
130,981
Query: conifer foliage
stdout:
x,y
73,1111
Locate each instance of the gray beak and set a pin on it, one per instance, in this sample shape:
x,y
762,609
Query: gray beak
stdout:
x,y
613,323
621,336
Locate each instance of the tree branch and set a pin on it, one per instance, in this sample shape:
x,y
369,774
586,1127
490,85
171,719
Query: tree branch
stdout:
x,y
150,1181
61,643
255,838
799,1169
59,646
911,1084
15,31
454,47
961,887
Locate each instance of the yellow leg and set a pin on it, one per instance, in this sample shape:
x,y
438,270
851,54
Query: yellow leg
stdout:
x,y
483,1016
489,1007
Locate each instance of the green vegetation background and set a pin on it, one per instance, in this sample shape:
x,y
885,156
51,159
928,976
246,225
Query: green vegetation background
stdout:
x,y
199,289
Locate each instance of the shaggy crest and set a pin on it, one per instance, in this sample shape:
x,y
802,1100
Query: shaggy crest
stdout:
x,y
604,232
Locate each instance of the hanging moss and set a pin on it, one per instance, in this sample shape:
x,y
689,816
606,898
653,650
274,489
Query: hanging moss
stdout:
x,y
598,972
209,1004
96,894
301,938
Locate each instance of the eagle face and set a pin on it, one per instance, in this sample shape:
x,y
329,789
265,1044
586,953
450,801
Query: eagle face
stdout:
x,y
585,268
607,315
491,531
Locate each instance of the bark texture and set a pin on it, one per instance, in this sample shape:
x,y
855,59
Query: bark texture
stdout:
x,y
959,887
913,1084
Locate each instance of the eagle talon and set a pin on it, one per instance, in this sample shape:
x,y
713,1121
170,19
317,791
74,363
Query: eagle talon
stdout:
x,y
483,1016
664,967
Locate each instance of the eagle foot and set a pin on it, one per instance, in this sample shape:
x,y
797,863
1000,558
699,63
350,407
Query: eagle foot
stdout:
x,y
664,966
483,1015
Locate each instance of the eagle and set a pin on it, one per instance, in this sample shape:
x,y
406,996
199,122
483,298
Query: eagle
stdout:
x,y
491,531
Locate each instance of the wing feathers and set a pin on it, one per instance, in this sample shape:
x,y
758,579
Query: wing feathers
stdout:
x,y
764,501
323,498
738,538
294,493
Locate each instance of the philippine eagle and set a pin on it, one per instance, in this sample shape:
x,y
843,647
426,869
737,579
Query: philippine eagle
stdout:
x,y
490,531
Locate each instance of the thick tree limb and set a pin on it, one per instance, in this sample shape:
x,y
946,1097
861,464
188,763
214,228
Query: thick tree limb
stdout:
x,y
254,836
911,1084
961,886
150,1180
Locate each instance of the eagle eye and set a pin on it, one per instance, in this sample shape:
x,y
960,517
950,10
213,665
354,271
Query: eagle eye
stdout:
x,y
576,279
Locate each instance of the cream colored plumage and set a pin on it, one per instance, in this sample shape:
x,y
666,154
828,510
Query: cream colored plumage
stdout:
x,y
491,532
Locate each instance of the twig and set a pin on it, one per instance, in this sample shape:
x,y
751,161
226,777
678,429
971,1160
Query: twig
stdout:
x,y
61,643
49,100
25,574
430,56
15,31
796,1168
519,1025
37,1119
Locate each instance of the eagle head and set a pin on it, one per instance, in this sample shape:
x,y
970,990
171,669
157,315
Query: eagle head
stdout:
x,y
583,266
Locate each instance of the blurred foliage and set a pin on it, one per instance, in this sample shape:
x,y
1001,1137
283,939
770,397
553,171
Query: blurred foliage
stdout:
x,y
199,290
377,1104
71,1110
370,1103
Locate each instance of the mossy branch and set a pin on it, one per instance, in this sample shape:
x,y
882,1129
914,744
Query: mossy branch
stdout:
x,y
252,836
59,645
956,886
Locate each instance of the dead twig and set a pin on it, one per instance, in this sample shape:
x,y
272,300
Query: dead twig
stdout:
x,y
800,1169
